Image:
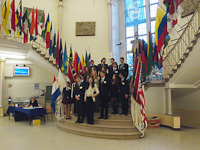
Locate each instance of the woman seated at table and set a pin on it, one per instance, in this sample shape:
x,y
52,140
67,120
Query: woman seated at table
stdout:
x,y
33,102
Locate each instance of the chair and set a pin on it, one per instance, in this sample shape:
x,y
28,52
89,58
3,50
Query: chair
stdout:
x,y
49,111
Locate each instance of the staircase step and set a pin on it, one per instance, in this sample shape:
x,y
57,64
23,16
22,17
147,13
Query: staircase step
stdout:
x,y
100,127
97,134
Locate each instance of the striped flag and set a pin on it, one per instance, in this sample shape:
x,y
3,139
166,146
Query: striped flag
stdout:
x,y
71,73
54,94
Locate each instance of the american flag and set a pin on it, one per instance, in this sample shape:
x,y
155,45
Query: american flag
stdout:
x,y
138,89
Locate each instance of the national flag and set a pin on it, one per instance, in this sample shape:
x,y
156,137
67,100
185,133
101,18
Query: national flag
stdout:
x,y
60,54
13,15
150,59
83,63
42,25
70,55
143,51
61,81
57,49
47,36
35,33
51,41
54,94
167,38
157,58
86,59
7,17
80,67
137,92
76,62
0,14
71,73
25,26
89,58
32,22
64,66
161,28
18,19
3,12
54,45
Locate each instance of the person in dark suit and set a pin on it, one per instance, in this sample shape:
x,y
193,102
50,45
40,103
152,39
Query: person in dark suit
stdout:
x,y
103,64
33,102
113,70
79,92
123,67
124,92
103,88
114,93
92,65
112,60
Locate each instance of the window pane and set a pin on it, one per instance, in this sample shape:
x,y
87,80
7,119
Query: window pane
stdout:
x,y
130,59
129,44
142,29
153,1
153,38
130,72
153,9
129,31
144,37
153,26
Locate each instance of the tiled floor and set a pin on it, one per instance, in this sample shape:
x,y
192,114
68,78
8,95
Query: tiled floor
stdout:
x,y
19,135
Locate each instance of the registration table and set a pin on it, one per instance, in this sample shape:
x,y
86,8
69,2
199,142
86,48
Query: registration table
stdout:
x,y
22,114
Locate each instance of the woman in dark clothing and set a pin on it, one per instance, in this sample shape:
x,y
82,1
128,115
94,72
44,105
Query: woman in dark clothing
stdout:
x,y
114,93
33,102
67,100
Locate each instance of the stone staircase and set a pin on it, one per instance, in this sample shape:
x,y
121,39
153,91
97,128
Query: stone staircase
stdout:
x,y
115,127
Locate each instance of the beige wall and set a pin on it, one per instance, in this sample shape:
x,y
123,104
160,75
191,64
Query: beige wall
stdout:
x,y
79,11
24,86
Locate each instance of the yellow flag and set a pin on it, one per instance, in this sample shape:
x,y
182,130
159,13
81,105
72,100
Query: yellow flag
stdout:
x,y
6,20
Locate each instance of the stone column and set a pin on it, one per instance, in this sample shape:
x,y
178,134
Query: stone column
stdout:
x,y
169,101
2,60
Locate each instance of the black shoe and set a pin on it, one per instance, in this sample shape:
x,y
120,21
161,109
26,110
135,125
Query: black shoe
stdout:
x,y
100,118
113,113
106,118
77,121
81,121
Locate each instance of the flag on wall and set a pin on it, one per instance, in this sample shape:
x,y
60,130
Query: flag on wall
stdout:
x,y
3,12
83,63
70,55
80,67
54,94
51,41
60,54
143,51
57,49
25,26
135,12
71,73
54,44
13,15
61,81
42,22
76,62
7,17
64,66
18,19
47,35
86,59
35,33
161,28
32,24
150,59
89,58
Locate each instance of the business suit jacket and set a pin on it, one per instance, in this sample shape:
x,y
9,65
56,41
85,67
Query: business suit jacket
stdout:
x,y
102,65
111,72
124,87
93,67
124,68
114,89
79,91
104,88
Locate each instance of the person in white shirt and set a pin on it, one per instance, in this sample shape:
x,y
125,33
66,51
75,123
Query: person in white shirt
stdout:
x,y
90,93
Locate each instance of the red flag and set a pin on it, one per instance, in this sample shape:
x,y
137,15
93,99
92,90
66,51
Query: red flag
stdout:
x,y
76,62
57,58
36,23
71,73
80,67
32,23
13,15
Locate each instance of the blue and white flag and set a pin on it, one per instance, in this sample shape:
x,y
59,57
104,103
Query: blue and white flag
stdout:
x,y
135,12
54,94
